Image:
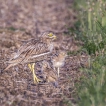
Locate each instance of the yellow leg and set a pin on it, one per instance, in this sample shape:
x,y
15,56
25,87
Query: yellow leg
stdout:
x,y
58,71
36,80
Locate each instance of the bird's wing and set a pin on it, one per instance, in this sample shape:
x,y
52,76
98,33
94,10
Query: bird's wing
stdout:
x,y
26,46
30,50
51,76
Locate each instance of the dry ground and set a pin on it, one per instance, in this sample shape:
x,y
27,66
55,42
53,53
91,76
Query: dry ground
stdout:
x,y
22,20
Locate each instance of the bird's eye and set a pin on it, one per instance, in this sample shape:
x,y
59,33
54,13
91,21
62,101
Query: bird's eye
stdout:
x,y
50,34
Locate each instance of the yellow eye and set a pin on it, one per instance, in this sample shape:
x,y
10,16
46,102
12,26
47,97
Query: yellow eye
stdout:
x,y
50,34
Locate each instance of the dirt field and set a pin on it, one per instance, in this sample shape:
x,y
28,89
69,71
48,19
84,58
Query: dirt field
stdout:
x,y
22,20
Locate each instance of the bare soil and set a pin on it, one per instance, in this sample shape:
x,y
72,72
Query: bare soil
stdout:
x,y
21,20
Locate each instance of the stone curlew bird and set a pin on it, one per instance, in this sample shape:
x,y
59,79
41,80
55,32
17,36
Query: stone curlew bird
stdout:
x,y
33,51
49,74
58,61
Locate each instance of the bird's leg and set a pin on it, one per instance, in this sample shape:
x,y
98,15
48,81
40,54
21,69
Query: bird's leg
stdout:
x,y
36,80
58,71
34,75
30,67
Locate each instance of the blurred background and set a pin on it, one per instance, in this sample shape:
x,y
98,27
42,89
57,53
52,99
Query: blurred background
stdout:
x,y
36,16
80,27
22,20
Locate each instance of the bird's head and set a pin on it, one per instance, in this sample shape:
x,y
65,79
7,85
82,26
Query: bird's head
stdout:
x,y
63,54
48,36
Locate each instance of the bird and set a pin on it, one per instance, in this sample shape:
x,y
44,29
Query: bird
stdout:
x,y
58,61
49,74
33,51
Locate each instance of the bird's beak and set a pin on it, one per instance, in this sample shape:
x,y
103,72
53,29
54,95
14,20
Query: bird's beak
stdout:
x,y
54,37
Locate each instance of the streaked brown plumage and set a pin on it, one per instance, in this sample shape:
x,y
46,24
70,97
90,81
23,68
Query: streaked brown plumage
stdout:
x,y
49,73
33,51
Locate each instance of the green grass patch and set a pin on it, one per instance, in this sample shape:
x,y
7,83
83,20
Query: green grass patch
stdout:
x,y
91,25
91,90
91,30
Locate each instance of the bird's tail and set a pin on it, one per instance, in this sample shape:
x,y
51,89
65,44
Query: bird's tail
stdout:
x,y
9,66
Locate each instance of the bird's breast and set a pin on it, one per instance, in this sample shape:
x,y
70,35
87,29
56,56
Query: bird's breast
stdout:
x,y
50,47
58,64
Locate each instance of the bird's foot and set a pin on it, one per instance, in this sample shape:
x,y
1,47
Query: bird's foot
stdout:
x,y
36,80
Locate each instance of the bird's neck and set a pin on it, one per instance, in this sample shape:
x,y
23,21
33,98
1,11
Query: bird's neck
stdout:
x,y
50,46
